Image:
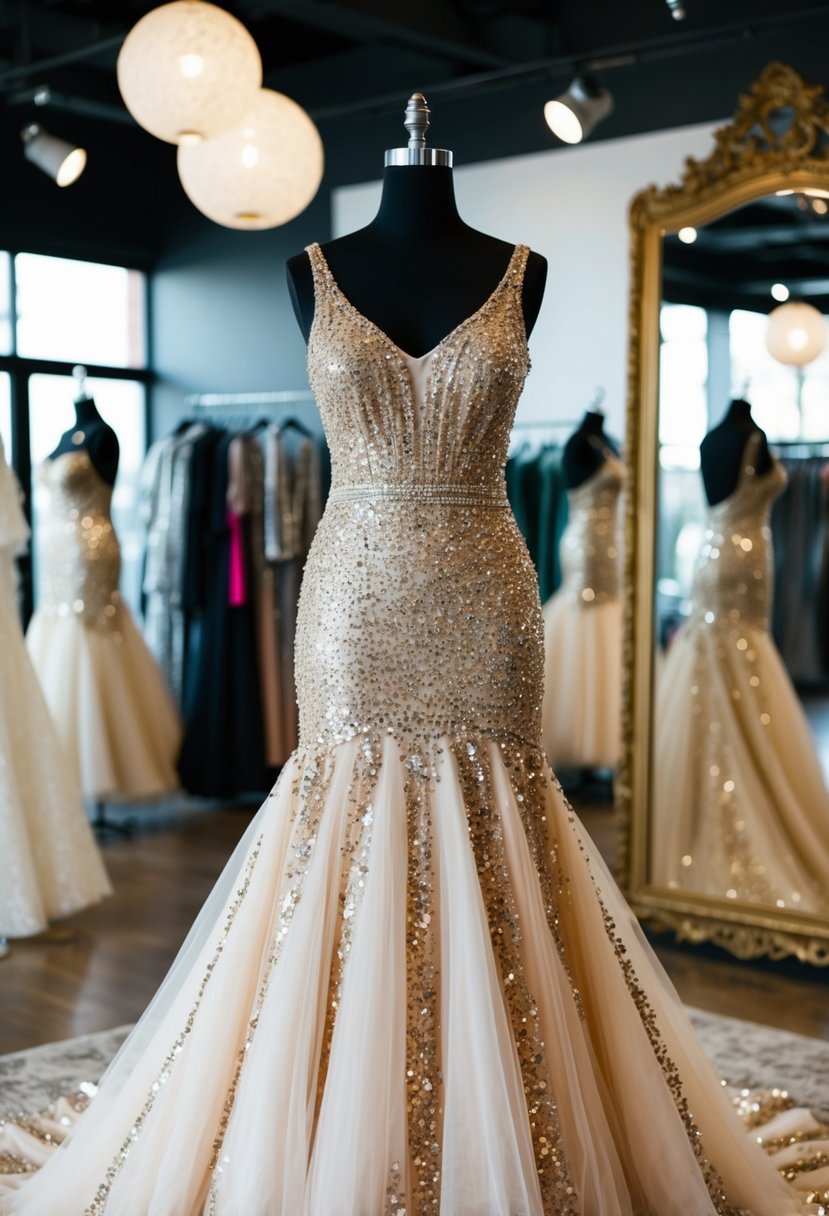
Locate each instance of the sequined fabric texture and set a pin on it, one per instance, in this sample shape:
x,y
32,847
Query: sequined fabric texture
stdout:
x,y
733,575
419,611
589,546
79,551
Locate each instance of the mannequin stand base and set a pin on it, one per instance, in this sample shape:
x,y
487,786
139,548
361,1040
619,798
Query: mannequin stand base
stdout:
x,y
103,827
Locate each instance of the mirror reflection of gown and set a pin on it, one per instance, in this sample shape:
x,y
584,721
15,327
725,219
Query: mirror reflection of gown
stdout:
x,y
583,625
49,863
741,809
114,714
415,989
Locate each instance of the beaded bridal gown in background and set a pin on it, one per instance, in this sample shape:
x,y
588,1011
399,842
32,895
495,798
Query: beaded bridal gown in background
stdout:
x,y
742,809
415,989
582,710
49,863
114,713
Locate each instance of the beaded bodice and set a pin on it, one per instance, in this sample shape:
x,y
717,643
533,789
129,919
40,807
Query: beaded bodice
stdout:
x,y
733,575
419,610
442,419
590,556
77,547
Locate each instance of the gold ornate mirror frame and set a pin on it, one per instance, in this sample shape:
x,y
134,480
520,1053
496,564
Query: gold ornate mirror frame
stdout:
x,y
778,139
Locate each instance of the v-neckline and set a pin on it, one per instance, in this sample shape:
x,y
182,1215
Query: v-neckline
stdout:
x,y
403,354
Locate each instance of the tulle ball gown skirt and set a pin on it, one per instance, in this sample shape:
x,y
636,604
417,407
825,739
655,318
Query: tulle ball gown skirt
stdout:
x,y
414,989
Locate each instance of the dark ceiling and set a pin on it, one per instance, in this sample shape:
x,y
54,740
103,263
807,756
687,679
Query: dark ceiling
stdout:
x,y
486,67
734,262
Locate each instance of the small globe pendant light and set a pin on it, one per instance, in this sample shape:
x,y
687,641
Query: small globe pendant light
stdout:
x,y
261,173
796,334
188,71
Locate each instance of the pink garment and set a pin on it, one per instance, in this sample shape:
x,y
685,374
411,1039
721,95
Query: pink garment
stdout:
x,y
237,575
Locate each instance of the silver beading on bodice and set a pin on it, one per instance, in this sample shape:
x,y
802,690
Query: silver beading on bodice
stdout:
x,y
733,574
419,611
589,547
78,548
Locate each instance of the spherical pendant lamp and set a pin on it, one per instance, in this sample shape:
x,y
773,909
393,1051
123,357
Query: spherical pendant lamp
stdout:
x,y
188,71
796,334
261,173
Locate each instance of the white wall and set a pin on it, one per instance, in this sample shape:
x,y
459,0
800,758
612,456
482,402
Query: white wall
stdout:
x,y
570,205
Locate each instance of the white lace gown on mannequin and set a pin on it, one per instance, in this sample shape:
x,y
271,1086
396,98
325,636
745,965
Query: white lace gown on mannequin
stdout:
x,y
114,713
583,625
741,806
49,863
415,989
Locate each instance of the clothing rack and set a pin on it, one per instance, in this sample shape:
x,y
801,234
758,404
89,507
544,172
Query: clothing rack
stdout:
x,y
206,401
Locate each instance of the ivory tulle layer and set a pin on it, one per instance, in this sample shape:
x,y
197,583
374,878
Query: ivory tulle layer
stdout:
x,y
113,711
49,863
414,989
582,682
739,791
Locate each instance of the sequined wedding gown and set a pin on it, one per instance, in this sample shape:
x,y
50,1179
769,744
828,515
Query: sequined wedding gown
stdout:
x,y
582,708
49,863
114,714
741,806
414,990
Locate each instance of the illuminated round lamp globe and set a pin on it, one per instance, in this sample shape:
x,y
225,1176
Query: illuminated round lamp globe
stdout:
x,y
796,333
188,71
260,174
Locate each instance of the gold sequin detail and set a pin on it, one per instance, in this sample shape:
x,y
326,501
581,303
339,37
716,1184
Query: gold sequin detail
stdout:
x,y
589,547
79,551
486,835
99,1203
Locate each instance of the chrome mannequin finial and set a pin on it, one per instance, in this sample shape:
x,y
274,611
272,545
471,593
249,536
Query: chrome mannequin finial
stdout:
x,y
416,123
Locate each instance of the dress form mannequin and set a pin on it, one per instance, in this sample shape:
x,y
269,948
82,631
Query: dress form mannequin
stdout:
x,y
92,435
586,449
417,270
721,452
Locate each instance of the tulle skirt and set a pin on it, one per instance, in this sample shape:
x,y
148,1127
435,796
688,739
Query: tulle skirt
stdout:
x,y
115,716
582,682
741,808
49,863
414,989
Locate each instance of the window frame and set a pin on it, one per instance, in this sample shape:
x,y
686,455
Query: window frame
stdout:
x,y
21,367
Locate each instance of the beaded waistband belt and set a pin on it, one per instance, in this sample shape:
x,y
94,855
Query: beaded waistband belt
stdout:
x,y
424,492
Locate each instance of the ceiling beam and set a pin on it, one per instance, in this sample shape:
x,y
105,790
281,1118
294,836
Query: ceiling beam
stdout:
x,y
431,27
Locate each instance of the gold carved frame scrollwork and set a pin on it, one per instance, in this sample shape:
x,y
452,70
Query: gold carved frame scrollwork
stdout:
x,y
778,139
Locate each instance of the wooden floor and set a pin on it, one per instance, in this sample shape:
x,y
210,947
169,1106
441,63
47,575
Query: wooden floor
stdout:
x,y
100,968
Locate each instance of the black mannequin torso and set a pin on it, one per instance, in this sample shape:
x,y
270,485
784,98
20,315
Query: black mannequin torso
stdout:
x,y
417,270
586,449
92,435
722,449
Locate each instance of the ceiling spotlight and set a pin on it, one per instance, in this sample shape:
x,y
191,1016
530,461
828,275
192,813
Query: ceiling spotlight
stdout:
x,y
687,235
779,292
62,161
677,9
574,114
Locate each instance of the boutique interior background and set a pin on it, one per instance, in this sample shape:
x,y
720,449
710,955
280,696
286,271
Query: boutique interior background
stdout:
x,y
206,310
724,800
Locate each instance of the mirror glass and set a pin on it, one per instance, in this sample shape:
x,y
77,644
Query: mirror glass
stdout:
x,y
740,756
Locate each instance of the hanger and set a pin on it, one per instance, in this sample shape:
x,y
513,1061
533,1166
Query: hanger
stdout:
x,y
599,394
79,375
295,424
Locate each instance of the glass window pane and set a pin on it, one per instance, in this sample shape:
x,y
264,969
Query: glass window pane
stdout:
x,y
683,379
785,403
121,403
6,414
5,304
82,312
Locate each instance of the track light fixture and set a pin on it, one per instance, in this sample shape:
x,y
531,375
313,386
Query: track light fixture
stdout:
x,y
574,114
60,160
